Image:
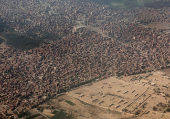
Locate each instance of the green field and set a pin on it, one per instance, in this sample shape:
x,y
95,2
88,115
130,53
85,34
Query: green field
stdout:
x,y
60,115
69,102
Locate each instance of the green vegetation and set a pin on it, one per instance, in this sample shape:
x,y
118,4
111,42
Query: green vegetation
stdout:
x,y
125,110
29,40
137,112
1,40
2,25
69,102
60,115
24,113
21,41
168,109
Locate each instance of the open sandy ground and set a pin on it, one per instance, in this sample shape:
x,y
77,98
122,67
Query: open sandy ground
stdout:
x,y
137,93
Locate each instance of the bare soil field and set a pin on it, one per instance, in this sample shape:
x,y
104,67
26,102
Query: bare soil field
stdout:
x,y
83,110
144,96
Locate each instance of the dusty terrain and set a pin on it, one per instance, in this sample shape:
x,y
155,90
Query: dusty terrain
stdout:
x,y
136,95
81,109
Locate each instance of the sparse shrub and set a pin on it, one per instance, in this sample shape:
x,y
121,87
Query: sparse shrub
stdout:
x,y
143,106
168,109
124,110
159,104
155,108
164,106
137,112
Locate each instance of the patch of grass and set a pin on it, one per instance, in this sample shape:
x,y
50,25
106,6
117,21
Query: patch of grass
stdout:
x,y
60,115
69,102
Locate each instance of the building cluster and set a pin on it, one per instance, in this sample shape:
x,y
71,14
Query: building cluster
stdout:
x,y
28,78
59,17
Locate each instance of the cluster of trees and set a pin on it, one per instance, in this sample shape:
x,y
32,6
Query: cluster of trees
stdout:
x,y
24,113
21,42
2,25
1,40
29,40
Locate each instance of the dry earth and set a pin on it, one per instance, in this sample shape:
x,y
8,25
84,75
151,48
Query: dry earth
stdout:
x,y
83,110
137,95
